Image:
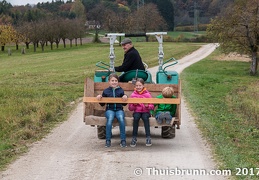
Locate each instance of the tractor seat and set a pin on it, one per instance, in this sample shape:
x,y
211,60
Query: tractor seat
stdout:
x,y
130,75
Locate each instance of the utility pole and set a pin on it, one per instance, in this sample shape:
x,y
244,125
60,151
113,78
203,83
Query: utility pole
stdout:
x,y
140,3
196,17
196,12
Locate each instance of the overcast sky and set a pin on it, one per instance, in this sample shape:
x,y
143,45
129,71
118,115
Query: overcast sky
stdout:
x,y
24,2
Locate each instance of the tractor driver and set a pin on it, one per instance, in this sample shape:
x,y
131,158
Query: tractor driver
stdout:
x,y
132,59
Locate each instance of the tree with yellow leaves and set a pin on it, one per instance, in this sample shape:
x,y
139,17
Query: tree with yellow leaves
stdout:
x,y
7,35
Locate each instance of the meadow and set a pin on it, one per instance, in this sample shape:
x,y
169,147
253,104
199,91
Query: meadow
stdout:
x,y
224,100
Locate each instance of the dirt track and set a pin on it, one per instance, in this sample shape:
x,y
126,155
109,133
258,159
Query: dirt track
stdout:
x,y
73,152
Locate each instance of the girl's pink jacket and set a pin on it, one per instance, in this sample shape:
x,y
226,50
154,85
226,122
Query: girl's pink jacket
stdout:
x,y
141,107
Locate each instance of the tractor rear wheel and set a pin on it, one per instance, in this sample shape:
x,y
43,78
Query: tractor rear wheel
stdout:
x,y
101,132
168,132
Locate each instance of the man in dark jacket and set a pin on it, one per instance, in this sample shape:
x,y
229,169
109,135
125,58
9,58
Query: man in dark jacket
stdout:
x,y
132,59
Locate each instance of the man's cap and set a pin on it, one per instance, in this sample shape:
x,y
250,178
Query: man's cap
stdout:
x,y
126,41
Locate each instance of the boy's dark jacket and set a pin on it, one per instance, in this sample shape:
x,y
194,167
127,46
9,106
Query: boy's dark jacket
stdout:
x,y
113,92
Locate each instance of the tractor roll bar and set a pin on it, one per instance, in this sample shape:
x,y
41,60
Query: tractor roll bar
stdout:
x,y
136,35
159,37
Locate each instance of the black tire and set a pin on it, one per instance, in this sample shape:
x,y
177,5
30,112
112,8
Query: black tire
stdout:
x,y
101,132
168,132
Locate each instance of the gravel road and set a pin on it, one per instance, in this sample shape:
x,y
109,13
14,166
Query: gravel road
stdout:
x,y
73,152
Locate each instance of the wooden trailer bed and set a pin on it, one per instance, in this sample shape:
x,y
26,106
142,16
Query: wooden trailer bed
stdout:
x,y
94,113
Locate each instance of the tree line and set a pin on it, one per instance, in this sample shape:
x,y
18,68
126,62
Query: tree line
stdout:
x,y
232,23
39,27
174,12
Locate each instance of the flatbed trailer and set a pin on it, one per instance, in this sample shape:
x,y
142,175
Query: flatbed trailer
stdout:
x,y
94,112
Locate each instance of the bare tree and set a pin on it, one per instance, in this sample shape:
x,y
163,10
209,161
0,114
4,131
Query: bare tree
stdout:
x,y
43,33
97,15
64,30
71,33
238,30
81,30
147,18
24,30
52,31
58,30
33,34
119,22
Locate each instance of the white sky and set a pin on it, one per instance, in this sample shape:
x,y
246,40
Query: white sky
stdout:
x,y
24,2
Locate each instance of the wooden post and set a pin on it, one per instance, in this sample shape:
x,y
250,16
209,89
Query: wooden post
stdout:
x,y
23,51
9,52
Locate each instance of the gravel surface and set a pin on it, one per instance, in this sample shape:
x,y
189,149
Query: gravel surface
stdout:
x,y
73,152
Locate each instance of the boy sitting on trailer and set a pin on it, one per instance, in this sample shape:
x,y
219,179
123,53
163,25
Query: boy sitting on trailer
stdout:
x,y
165,112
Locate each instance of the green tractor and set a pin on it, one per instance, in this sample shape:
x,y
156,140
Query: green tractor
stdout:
x,y
162,76
94,114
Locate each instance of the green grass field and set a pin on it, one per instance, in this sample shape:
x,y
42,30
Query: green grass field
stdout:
x,y
37,88
224,99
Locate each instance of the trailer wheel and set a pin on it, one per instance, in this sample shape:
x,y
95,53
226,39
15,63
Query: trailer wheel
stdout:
x,y
168,132
101,132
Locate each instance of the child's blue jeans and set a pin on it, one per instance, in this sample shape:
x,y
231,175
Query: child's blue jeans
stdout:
x,y
120,116
159,113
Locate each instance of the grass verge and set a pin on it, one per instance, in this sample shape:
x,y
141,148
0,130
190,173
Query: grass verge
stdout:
x,y
224,99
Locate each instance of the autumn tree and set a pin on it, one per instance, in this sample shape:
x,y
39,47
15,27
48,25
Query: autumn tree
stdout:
x,y
64,30
23,30
33,33
42,33
100,16
166,11
78,9
57,30
147,18
109,22
119,21
79,32
7,35
52,31
71,30
237,30
17,38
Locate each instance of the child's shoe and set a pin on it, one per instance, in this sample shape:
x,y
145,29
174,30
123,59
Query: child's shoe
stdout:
x,y
148,141
123,143
108,143
133,142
